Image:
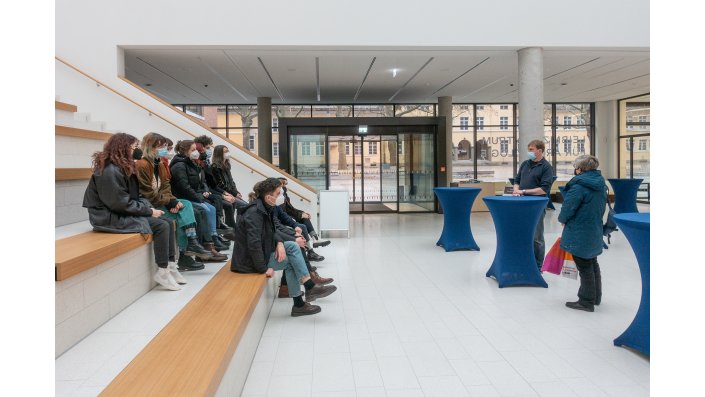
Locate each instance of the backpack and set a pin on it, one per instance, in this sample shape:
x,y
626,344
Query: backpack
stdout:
x,y
610,225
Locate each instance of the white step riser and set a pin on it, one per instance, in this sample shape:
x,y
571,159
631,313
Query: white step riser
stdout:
x,y
73,152
69,200
77,120
87,300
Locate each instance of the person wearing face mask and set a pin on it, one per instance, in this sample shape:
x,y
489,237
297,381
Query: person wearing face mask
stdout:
x,y
585,197
155,186
534,178
186,183
224,208
302,217
169,155
260,248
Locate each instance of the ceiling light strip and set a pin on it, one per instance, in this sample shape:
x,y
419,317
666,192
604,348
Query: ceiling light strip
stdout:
x,y
270,79
466,72
364,79
411,78
318,83
619,82
574,67
226,82
171,77
242,73
484,86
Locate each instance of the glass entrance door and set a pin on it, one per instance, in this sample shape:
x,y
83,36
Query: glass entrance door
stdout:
x,y
416,172
379,179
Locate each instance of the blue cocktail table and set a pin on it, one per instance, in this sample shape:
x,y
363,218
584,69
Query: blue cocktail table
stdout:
x,y
625,191
636,227
515,220
457,203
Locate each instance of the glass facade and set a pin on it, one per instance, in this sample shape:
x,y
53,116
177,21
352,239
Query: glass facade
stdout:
x,y
635,142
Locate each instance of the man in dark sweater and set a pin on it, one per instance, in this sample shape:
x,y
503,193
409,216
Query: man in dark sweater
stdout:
x,y
534,178
260,248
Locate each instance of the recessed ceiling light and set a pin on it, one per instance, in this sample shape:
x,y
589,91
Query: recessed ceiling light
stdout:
x,y
148,84
205,85
511,84
394,72
564,83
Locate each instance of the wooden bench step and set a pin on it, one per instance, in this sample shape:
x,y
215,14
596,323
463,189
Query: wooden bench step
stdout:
x,y
191,354
81,133
72,174
65,106
83,251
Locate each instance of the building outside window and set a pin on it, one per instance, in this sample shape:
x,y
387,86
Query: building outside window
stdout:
x,y
319,148
358,148
503,107
372,148
642,145
567,122
347,149
306,148
643,119
504,146
629,145
252,142
567,145
480,107
464,121
503,123
275,149
581,146
275,124
480,122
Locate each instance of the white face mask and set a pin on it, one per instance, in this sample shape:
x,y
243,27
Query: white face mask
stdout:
x,y
209,153
280,200
195,155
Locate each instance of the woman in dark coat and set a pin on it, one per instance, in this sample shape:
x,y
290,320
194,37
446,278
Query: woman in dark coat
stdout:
x,y
585,197
114,204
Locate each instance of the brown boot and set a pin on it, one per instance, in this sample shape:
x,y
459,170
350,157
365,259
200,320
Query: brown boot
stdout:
x,y
215,255
320,280
319,291
283,291
305,310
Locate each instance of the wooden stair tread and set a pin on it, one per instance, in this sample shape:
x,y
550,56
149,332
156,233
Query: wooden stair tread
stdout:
x,y
83,251
65,106
72,174
191,354
81,133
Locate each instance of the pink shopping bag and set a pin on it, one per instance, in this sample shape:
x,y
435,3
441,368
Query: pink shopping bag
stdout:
x,y
553,262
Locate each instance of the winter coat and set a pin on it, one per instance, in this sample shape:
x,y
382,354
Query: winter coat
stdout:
x,y
186,179
113,202
155,187
584,200
256,238
290,209
223,180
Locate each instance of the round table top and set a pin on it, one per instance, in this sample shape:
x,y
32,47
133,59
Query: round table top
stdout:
x,y
515,198
642,218
454,188
625,180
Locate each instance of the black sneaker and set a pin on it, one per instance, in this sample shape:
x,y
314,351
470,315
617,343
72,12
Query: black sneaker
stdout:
x,y
314,257
319,291
194,247
186,264
305,310
579,306
321,243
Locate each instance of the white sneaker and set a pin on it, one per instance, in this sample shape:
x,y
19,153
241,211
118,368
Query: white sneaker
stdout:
x,y
164,278
174,271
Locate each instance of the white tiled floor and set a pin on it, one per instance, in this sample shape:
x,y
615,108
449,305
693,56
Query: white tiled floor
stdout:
x,y
409,319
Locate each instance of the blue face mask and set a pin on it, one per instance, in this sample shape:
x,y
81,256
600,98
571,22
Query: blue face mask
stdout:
x,y
163,152
532,156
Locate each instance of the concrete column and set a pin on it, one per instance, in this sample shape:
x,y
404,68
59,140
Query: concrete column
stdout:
x,y
264,127
530,98
606,132
445,108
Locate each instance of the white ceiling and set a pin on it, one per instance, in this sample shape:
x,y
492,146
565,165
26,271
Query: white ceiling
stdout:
x,y
240,76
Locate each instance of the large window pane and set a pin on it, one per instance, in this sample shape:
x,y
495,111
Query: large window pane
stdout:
x,y
494,154
214,116
625,155
570,144
332,111
374,111
462,113
495,114
279,111
635,116
308,160
426,110
242,116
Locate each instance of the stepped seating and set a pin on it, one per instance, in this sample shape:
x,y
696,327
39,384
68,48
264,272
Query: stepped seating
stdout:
x,y
207,349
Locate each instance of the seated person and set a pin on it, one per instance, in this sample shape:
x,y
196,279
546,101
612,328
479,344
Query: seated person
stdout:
x,y
260,248
224,208
286,220
154,184
186,183
300,216
223,178
114,206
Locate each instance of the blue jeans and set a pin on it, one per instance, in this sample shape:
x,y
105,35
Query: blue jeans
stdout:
x,y
210,209
304,231
293,265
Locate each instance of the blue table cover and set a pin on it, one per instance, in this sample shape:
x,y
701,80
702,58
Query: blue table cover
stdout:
x,y
636,227
457,204
515,220
625,194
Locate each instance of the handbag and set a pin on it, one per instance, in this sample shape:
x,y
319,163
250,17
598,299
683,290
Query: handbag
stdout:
x,y
569,270
553,262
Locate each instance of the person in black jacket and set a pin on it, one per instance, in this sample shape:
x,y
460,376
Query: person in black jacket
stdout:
x,y
223,178
261,248
300,216
114,205
186,183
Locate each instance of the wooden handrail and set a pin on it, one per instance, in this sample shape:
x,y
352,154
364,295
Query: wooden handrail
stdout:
x,y
304,185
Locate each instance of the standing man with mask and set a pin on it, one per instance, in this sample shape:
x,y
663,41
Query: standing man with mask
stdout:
x,y
534,178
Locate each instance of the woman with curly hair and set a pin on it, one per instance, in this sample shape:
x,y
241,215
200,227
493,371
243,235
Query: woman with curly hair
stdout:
x,y
114,204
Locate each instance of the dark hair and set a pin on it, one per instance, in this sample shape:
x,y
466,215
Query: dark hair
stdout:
x,y
201,150
150,142
266,187
117,150
281,178
219,159
538,144
182,147
169,142
204,140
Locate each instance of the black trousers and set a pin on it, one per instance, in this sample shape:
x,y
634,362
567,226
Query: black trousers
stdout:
x,y
223,210
590,292
202,231
164,240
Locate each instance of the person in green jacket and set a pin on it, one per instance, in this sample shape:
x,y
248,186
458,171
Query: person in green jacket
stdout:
x,y
585,197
